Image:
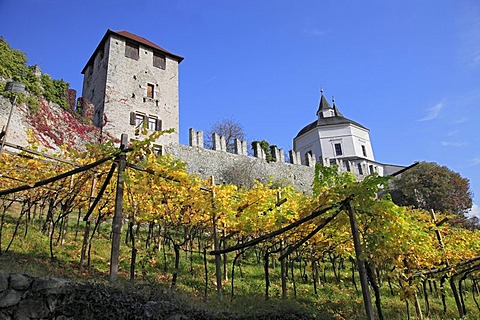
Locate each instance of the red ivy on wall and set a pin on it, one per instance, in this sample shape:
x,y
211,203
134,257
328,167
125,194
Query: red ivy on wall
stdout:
x,y
71,98
54,127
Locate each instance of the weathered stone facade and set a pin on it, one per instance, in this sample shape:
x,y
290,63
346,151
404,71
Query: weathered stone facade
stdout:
x,y
132,83
239,168
17,131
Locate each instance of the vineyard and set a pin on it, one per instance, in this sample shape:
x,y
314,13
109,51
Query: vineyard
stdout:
x,y
165,226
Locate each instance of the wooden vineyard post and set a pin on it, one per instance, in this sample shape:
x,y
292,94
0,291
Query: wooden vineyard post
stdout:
x,y
283,263
439,237
367,300
461,311
216,243
117,218
86,232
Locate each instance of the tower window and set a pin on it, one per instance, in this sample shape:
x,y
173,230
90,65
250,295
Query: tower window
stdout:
x,y
150,90
139,118
371,169
159,60
364,150
338,149
152,123
157,150
131,50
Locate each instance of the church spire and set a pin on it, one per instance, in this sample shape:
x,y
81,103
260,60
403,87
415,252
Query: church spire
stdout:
x,y
323,105
335,109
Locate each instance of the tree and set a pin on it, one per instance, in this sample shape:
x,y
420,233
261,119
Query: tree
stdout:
x,y
243,173
431,186
228,128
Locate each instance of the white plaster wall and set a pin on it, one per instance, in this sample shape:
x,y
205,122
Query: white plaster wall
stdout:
x,y
362,137
321,141
309,142
350,137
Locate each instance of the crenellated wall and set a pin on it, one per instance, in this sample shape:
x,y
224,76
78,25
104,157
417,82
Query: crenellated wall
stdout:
x,y
238,167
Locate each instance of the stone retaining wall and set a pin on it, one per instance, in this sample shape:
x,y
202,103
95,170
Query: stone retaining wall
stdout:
x,y
23,298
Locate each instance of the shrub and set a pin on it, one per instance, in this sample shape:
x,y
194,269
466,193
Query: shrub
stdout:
x,y
13,65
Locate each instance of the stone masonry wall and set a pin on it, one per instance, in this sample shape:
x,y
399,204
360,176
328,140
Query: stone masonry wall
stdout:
x,y
126,90
17,130
239,167
23,297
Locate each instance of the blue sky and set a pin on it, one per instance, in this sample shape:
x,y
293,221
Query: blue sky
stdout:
x,y
408,70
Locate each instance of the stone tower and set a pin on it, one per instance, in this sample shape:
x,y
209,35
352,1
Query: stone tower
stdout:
x,y
133,83
334,139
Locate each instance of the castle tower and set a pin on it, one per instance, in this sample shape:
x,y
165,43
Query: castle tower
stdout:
x,y
334,139
132,83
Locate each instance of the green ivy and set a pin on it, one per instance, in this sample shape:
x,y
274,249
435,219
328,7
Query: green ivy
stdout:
x,y
13,65
266,148
54,90
330,177
12,62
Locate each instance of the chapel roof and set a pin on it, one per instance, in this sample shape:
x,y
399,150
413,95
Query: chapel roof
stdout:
x,y
132,37
323,105
337,119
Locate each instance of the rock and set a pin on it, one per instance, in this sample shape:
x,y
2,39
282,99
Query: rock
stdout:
x,y
4,316
52,303
32,308
9,298
20,281
4,276
152,309
178,316
53,285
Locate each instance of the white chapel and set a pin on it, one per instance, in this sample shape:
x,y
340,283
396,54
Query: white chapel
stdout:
x,y
333,139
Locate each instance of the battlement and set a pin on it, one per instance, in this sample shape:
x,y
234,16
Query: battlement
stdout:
x,y
241,148
238,167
